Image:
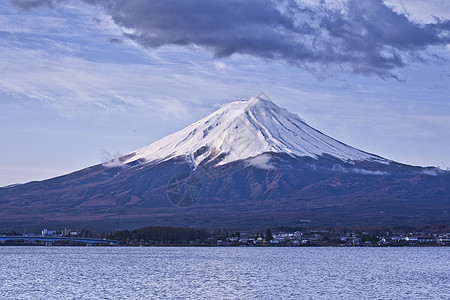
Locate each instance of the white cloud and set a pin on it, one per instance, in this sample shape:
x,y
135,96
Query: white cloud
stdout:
x,y
434,172
369,172
422,10
220,65
73,85
109,160
261,162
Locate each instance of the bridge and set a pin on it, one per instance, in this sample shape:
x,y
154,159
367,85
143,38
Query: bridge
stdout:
x,y
49,240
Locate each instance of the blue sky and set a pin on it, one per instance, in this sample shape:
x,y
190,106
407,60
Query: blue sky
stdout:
x,y
81,79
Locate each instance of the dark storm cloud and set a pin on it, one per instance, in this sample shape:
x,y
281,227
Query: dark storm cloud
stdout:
x,y
365,37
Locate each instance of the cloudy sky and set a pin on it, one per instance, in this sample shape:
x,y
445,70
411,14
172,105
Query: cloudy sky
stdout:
x,y
83,80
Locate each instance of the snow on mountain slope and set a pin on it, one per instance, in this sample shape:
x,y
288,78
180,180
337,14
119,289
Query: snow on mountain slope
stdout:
x,y
244,129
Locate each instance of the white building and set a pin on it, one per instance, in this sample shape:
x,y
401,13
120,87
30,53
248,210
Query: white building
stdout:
x,y
46,232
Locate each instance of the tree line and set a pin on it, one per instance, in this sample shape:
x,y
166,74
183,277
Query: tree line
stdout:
x,y
161,235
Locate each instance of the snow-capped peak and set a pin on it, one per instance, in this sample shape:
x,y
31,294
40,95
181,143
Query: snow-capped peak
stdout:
x,y
244,129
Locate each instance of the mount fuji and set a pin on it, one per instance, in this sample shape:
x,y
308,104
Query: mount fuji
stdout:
x,y
244,129
250,164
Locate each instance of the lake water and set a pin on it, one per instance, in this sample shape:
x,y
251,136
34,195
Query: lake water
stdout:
x,y
223,273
